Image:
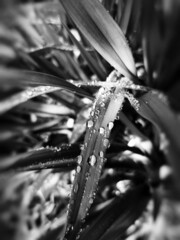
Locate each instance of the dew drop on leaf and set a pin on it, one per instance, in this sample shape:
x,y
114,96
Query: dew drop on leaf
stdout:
x,y
101,154
91,200
102,130
29,93
76,187
92,160
133,101
89,123
106,143
78,169
110,125
79,160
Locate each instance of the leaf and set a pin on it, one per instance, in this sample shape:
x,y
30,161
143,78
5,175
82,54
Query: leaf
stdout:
x,y
123,118
91,159
45,108
126,16
48,66
68,99
31,78
80,124
91,62
154,108
113,222
102,32
23,96
160,24
62,158
152,43
64,61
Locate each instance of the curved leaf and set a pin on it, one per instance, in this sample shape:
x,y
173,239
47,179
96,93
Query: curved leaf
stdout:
x,y
102,32
91,159
31,78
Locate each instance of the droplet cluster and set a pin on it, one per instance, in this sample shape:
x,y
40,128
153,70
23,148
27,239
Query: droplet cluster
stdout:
x,y
133,101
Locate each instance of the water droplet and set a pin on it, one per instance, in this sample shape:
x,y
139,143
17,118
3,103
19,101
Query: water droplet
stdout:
x,y
69,228
92,160
164,172
102,104
101,154
91,200
133,101
78,169
77,237
82,147
29,93
106,143
102,130
79,160
89,123
110,125
76,188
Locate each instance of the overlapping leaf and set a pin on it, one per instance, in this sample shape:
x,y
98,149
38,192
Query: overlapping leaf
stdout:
x,y
102,32
113,222
91,159
62,158
31,78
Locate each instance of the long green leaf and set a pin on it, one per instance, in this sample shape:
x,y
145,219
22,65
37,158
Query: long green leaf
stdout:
x,y
126,16
31,78
102,32
62,158
45,108
91,159
23,96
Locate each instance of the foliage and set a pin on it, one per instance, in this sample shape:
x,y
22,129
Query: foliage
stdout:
x,y
89,112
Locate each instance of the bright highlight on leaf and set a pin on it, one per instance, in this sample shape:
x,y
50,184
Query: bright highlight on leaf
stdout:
x,y
102,32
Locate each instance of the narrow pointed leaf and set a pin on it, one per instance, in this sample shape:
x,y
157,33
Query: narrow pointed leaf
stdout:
x,y
91,62
24,96
119,215
91,159
31,78
126,15
45,108
43,158
102,32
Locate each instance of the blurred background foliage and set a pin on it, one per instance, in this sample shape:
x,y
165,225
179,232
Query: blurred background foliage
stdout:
x,y
49,70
